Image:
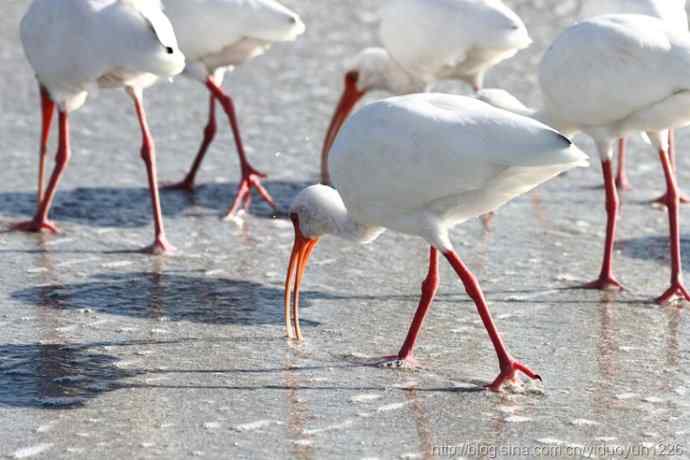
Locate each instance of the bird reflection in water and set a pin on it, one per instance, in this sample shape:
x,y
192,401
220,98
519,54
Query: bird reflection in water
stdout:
x,y
422,423
298,412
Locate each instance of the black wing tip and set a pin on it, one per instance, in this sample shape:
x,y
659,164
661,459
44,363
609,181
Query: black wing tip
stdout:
x,y
565,139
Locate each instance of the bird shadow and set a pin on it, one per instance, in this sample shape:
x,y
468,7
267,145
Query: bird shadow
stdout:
x,y
67,376
204,299
653,247
218,197
175,297
55,376
479,387
129,207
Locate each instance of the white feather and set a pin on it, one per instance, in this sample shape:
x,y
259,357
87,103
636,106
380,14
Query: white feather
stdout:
x,y
76,45
671,11
451,155
225,33
461,39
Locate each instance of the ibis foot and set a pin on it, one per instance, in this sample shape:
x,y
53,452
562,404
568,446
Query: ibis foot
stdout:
x,y
36,226
251,178
604,283
663,200
396,362
676,291
622,185
508,373
160,247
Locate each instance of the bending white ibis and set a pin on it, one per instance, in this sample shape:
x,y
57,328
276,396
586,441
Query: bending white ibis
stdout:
x,y
216,36
671,11
608,77
425,41
420,164
75,46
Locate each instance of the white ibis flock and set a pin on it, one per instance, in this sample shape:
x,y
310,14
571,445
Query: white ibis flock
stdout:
x,y
418,163
591,98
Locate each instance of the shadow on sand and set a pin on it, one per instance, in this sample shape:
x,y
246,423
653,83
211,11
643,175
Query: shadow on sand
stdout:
x,y
172,296
131,207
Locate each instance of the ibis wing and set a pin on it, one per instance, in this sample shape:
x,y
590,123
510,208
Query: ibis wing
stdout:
x,y
159,22
426,36
205,27
671,11
410,151
603,70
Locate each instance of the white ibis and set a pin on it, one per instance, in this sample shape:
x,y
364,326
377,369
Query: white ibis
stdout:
x,y
75,46
420,164
216,36
425,41
611,76
671,11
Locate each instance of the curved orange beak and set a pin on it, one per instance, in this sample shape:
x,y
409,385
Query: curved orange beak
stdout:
x,y
301,251
351,95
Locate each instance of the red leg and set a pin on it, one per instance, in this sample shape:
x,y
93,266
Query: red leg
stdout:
x,y
622,181
509,367
487,219
47,109
40,221
677,288
209,134
251,178
405,357
682,198
148,154
672,148
606,279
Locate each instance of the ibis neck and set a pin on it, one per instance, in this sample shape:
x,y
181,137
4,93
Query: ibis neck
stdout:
x,y
344,226
320,210
394,78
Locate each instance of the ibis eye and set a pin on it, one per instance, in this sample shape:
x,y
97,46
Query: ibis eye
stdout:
x,y
169,49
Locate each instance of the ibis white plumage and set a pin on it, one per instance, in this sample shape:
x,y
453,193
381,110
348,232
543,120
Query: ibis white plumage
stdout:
x,y
76,46
673,13
216,36
420,164
425,41
608,77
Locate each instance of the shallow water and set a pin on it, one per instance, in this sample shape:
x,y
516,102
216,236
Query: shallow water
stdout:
x,y
108,352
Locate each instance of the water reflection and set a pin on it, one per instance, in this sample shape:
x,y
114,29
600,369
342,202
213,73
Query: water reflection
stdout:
x,y
636,363
423,423
298,411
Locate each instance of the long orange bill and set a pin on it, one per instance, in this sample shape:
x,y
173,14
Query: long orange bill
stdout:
x,y
301,251
351,95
